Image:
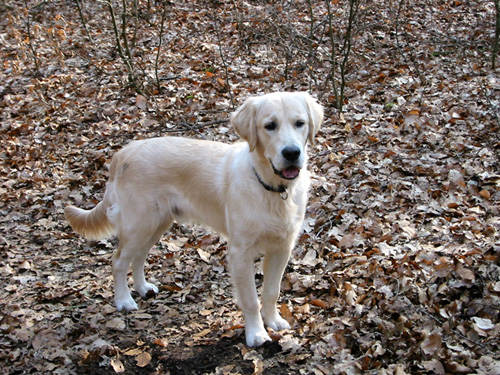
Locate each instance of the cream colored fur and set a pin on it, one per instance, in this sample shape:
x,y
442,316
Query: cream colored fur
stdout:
x,y
154,182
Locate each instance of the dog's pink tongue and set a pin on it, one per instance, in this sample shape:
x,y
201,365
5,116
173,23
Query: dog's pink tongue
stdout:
x,y
291,172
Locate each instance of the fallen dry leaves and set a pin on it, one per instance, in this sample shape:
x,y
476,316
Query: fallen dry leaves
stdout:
x,y
397,270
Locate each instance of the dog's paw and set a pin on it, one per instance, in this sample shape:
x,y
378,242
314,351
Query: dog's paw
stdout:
x,y
146,290
126,304
256,338
277,323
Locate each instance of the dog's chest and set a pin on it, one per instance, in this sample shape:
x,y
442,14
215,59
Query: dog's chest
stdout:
x,y
277,217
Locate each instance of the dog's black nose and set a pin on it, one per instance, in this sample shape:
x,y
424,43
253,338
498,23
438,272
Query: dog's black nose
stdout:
x,y
291,153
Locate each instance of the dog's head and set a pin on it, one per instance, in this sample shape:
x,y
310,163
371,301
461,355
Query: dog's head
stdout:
x,y
277,127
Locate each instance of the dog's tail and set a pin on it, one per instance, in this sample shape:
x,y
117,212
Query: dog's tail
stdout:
x,y
93,224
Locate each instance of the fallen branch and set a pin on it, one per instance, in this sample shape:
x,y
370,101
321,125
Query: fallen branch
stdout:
x,y
196,127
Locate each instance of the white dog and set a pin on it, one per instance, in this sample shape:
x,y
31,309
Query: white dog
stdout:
x,y
253,192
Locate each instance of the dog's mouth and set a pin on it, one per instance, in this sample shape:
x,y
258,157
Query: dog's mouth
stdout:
x,y
289,173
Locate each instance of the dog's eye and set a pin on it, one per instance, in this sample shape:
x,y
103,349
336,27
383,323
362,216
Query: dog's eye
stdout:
x,y
300,123
271,126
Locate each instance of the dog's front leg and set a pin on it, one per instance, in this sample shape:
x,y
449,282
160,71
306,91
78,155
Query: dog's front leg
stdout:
x,y
274,266
243,277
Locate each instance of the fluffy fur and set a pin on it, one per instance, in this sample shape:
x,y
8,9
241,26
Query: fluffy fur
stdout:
x,y
254,193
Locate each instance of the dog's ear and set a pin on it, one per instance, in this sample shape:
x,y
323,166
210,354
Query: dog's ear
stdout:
x,y
315,116
244,122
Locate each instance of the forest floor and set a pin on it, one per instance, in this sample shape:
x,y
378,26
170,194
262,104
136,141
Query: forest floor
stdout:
x,y
397,269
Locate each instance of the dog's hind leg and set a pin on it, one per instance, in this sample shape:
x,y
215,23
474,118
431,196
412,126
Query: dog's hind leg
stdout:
x,y
133,248
141,286
121,262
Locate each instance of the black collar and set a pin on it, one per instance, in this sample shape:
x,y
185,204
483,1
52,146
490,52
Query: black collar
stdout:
x,y
280,189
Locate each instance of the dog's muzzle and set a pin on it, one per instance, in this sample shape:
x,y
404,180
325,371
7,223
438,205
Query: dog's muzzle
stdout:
x,y
291,154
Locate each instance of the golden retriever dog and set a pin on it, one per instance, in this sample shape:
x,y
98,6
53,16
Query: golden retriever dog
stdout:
x,y
254,193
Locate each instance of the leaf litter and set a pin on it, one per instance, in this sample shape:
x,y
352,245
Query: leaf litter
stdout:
x,y
397,268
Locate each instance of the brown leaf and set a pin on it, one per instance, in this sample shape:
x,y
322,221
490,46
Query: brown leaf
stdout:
x,y
161,342
133,352
485,194
202,333
444,268
286,313
275,336
290,343
465,273
434,366
116,323
204,255
117,365
143,359
431,344
24,334
141,102
319,303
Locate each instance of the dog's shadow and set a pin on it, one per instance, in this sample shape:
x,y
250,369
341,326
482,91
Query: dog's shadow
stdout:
x,y
225,354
